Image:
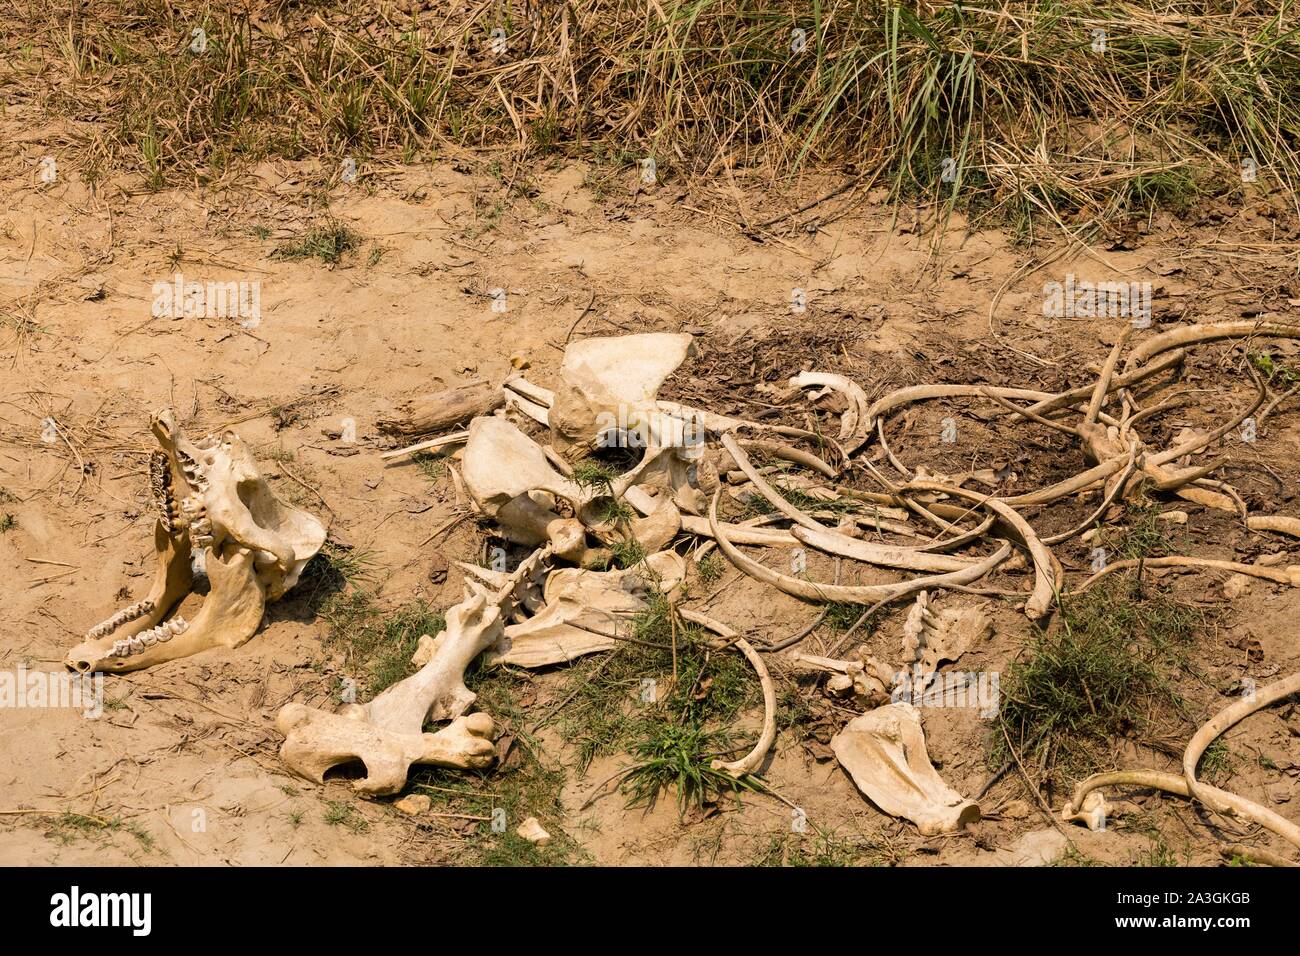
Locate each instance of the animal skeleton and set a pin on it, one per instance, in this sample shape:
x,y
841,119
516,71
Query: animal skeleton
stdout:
x,y
608,388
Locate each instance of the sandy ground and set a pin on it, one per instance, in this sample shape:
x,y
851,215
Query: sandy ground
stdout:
x,y
182,766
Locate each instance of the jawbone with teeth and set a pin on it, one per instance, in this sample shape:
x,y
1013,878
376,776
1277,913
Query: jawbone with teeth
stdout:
x,y
209,495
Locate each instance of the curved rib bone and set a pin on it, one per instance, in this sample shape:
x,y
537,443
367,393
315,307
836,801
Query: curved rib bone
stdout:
x,y
834,542
1206,332
1279,523
860,594
752,761
1040,601
855,423
1219,725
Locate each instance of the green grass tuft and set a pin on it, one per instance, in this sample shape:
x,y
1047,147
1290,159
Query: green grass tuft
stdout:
x,y
327,243
1103,676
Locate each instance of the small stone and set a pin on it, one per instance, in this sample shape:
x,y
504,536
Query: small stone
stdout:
x,y
438,567
532,831
1017,810
414,804
1236,586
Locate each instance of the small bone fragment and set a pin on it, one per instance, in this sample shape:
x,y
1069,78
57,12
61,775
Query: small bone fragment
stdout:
x,y
445,441
884,752
533,831
867,680
538,413
1279,523
425,414
424,649
1092,814
657,529
1236,586
534,393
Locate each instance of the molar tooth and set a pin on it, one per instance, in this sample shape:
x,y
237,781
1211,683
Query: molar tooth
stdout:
x,y
131,613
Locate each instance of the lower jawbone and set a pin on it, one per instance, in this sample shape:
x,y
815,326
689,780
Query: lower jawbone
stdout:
x,y
145,634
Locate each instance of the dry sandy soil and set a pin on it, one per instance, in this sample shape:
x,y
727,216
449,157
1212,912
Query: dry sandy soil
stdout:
x,y
410,311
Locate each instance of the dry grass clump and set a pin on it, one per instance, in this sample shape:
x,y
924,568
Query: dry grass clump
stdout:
x,y
1066,110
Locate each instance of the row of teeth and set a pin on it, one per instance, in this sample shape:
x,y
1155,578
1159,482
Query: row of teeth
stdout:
x,y
160,485
193,471
200,524
131,613
146,639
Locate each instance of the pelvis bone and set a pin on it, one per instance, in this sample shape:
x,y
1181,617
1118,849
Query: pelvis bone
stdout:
x,y
386,735
209,496
611,384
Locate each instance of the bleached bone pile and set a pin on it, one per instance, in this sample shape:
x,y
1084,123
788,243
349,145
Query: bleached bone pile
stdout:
x,y
607,394
211,501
